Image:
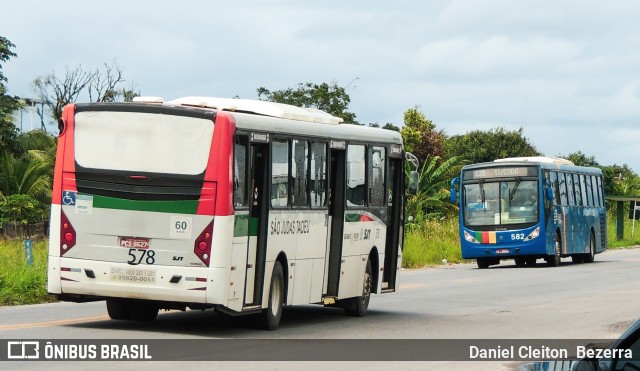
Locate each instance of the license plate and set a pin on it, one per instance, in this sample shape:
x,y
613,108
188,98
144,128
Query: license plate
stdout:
x,y
133,275
134,242
502,251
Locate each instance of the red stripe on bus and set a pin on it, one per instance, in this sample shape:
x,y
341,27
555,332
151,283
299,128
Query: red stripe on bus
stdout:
x,y
365,218
217,199
65,162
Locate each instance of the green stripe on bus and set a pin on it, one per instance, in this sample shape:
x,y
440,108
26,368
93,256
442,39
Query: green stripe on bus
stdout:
x,y
349,218
178,207
245,226
253,226
241,226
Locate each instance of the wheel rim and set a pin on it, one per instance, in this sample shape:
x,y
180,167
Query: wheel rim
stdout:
x,y
276,294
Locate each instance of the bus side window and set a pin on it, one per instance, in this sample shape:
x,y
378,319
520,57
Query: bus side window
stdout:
x,y
318,179
356,192
299,172
600,192
279,173
562,181
578,186
556,188
589,190
240,163
375,171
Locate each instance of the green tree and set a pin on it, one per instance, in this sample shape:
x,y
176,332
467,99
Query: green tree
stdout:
x,y
40,144
390,126
582,159
420,136
620,181
330,98
29,174
8,104
432,198
484,146
21,209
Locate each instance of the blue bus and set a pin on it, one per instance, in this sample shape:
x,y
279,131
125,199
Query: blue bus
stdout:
x,y
530,208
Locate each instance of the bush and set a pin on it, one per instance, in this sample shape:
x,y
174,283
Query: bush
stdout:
x,y
20,209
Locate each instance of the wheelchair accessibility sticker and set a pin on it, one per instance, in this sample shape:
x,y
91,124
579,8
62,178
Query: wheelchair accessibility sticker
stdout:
x,y
83,204
68,198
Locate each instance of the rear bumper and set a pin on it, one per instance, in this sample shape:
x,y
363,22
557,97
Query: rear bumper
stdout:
x,y
69,277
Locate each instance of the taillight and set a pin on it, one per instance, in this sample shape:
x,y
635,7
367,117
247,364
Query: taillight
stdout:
x,y
67,234
202,246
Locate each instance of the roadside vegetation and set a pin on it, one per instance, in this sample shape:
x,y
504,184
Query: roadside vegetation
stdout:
x,y
21,283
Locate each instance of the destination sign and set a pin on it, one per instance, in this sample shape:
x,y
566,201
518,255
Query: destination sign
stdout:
x,y
500,172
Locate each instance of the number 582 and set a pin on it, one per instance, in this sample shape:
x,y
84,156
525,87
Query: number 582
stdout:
x,y
517,236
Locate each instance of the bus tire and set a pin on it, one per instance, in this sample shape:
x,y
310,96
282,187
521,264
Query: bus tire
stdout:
x,y
531,262
589,257
270,317
483,263
143,312
118,310
358,306
554,260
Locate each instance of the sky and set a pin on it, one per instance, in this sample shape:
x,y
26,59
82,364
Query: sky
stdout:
x,y
567,72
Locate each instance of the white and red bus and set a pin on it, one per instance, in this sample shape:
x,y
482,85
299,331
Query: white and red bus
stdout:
x,y
237,205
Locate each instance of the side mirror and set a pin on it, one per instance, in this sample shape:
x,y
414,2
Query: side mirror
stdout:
x,y
454,192
548,194
414,182
548,190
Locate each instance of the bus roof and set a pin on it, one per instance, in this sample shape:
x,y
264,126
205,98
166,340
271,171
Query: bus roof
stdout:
x,y
280,118
542,161
285,111
537,159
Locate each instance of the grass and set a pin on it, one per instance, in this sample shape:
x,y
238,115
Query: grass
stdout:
x,y
627,240
430,241
19,282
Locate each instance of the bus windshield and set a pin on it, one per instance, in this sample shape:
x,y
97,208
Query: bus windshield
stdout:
x,y
492,203
142,142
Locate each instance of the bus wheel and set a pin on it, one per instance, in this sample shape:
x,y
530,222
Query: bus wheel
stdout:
x,y
520,262
588,258
270,317
357,307
483,263
118,310
554,261
143,312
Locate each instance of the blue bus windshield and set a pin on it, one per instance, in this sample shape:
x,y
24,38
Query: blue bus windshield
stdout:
x,y
493,203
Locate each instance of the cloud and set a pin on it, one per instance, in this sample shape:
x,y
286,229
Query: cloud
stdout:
x,y
497,57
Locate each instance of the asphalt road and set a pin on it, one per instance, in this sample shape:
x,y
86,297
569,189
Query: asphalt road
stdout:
x,y
573,301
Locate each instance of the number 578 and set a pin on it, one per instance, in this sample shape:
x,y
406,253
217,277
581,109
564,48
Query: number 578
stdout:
x,y
136,256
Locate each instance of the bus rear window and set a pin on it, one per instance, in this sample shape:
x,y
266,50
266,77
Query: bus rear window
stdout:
x,y
142,142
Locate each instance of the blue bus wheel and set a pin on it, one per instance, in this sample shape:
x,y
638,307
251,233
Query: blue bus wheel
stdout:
x,y
554,260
